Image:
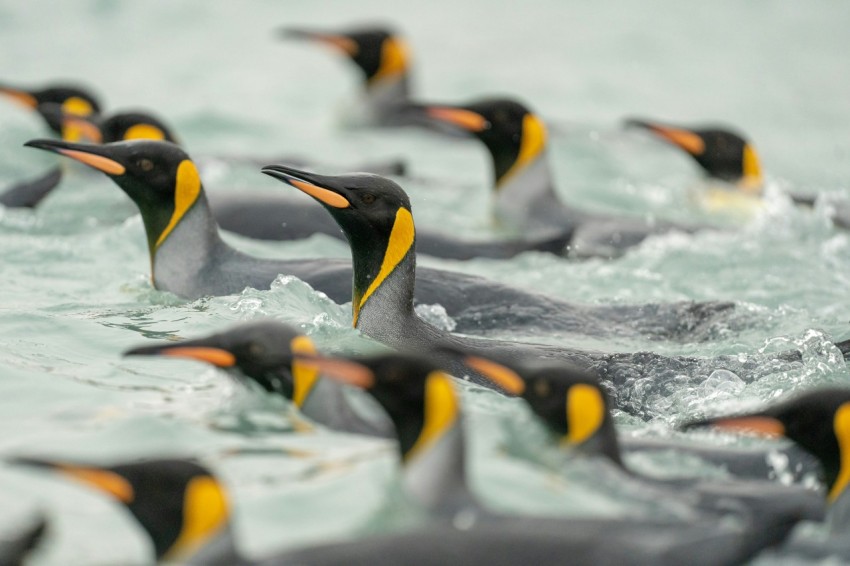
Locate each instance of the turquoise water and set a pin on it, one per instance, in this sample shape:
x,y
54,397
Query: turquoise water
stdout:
x,y
76,288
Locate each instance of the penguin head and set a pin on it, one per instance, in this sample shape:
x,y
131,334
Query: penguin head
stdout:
x,y
818,421
262,350
377,51
514,136
373,212
179,503
69,99
159,177
722,153
416,393
135,125
570,402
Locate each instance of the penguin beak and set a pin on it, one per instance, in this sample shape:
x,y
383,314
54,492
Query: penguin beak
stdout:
x,y
96,156
20,96
680,137
466,120
758,423
337,41
339,369
207,350
314,185
104,480
500,375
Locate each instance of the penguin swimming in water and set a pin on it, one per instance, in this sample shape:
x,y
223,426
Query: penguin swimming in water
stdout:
x,y
259,214
383,58
576,410
186,513
375,214
189,259
819,422
727,156
264,352
524,190
50,103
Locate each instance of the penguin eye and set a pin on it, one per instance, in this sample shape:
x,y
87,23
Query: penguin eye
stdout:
x,y
367,198
541,388
145,165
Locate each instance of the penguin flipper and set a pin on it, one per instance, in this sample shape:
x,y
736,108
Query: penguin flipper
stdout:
x,y
29,193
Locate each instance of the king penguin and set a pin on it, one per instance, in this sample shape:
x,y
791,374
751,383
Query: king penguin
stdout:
x,y
383,58
525,196
190,259
50,103
817,420
375,215
263,352
575,408
186,513
726,155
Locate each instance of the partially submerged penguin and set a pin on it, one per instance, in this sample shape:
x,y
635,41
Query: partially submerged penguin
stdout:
x,y
264,351
186,512
524,190
375,215
818,421
725,155
383,58
575,408
51,103
189,258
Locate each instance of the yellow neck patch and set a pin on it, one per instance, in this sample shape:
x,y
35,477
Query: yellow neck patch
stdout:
x,y
401,241
144,132
841,425
303,376
752,180
394,58
205,512
187,187
532,144
585,413
441,411
77,106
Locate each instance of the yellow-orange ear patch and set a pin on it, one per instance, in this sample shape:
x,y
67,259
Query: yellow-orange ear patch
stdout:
x,y
205,512
441,411
585,412
401,240
187,188
304,376
77,106
144,132
394,58
841,427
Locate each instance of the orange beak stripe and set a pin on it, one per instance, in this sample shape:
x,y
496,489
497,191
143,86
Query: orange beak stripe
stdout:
x,y
99,162
466,119
340,42
344,371
21,97
688,141
215,356
108,482
502,376
767,426
330,198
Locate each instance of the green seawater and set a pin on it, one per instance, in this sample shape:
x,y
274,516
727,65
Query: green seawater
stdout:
x,y
75,275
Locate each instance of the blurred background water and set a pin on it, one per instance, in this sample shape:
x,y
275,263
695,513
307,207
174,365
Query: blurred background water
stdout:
x,y
76,288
